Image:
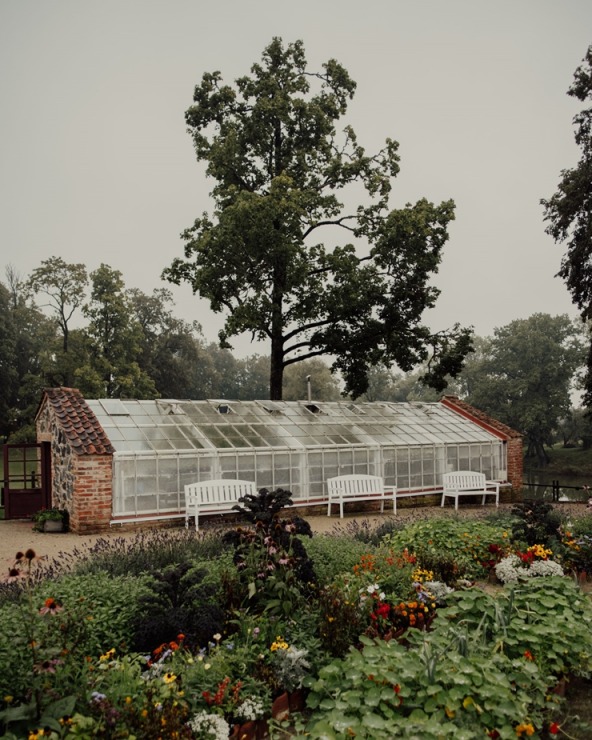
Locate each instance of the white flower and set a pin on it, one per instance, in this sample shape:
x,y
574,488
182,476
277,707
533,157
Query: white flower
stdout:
x,y
511,569
250,709
546,568
210,726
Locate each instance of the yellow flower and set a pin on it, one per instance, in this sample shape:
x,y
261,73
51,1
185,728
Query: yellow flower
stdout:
x,y
108,655
524,729
169,677
9,699
128,699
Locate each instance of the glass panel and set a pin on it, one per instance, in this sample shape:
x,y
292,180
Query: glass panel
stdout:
x,y
168,478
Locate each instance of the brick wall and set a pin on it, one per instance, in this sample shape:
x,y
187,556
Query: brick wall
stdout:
x,y
82,483
93,494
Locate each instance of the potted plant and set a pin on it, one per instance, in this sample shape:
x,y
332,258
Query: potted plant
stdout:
x,y
50,520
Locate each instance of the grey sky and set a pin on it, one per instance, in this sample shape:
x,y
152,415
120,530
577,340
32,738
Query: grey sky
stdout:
x,y
96,165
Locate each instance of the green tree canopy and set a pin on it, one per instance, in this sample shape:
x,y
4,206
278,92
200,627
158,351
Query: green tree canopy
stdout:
x,y
523,376
283,172
569,210
64,285
115,339
26,339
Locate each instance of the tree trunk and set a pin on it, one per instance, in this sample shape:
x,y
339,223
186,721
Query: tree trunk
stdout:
x,y
276,374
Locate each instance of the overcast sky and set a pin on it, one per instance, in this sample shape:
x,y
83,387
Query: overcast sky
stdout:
x,y
96,165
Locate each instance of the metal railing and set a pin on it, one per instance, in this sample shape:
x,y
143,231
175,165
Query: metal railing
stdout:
x,y
557,487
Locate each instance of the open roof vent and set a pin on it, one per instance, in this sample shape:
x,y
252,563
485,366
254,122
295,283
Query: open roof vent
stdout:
x,y
271,408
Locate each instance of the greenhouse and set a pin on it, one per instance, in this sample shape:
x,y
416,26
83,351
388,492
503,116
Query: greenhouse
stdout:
x,y
116,461
162,445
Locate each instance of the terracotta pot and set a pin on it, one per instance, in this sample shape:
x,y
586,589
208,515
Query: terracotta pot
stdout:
x,y
248,731
560,686
296,700
493,577
280,709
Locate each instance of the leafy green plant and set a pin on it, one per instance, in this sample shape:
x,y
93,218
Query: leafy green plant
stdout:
x,y
274,572
50,515
536,522
182,599
547,617
332,554
434,692
453,548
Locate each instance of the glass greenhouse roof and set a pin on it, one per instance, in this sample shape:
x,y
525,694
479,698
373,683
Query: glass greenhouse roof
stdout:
x,y
175,425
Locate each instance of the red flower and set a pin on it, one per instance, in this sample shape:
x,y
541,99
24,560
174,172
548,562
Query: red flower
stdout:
x,y
553,728
528,655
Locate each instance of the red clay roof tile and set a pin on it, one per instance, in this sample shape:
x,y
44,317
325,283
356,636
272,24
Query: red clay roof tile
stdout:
x,y
79,423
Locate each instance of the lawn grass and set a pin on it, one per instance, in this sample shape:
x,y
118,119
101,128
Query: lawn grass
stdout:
x,y
568,461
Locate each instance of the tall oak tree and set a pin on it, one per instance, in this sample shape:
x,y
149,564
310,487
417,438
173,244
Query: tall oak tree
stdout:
x,y
282,174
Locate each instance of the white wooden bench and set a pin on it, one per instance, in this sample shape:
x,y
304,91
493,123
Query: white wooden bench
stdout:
x,y
468,483
214,497
344,488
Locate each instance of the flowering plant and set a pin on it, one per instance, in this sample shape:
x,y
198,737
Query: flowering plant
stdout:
x,y
525,565
578,551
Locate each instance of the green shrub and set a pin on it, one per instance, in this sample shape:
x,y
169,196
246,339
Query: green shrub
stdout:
x,y
537,523
442,541
333,554
183,599
94,614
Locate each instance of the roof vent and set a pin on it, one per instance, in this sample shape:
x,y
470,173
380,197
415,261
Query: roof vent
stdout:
x,y
271,407
313,408
224,408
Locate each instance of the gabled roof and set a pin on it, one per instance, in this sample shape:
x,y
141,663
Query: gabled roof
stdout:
x,y
169,425
480,417
81,427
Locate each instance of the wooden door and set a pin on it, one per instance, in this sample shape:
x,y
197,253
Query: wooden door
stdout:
x,y
26,486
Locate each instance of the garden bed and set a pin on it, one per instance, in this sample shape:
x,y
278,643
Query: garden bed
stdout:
x,y
389,629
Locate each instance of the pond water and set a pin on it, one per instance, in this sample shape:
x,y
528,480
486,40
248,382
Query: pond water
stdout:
x,y
539,485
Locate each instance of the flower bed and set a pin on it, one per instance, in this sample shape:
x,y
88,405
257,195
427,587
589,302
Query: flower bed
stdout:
x,y
235,634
